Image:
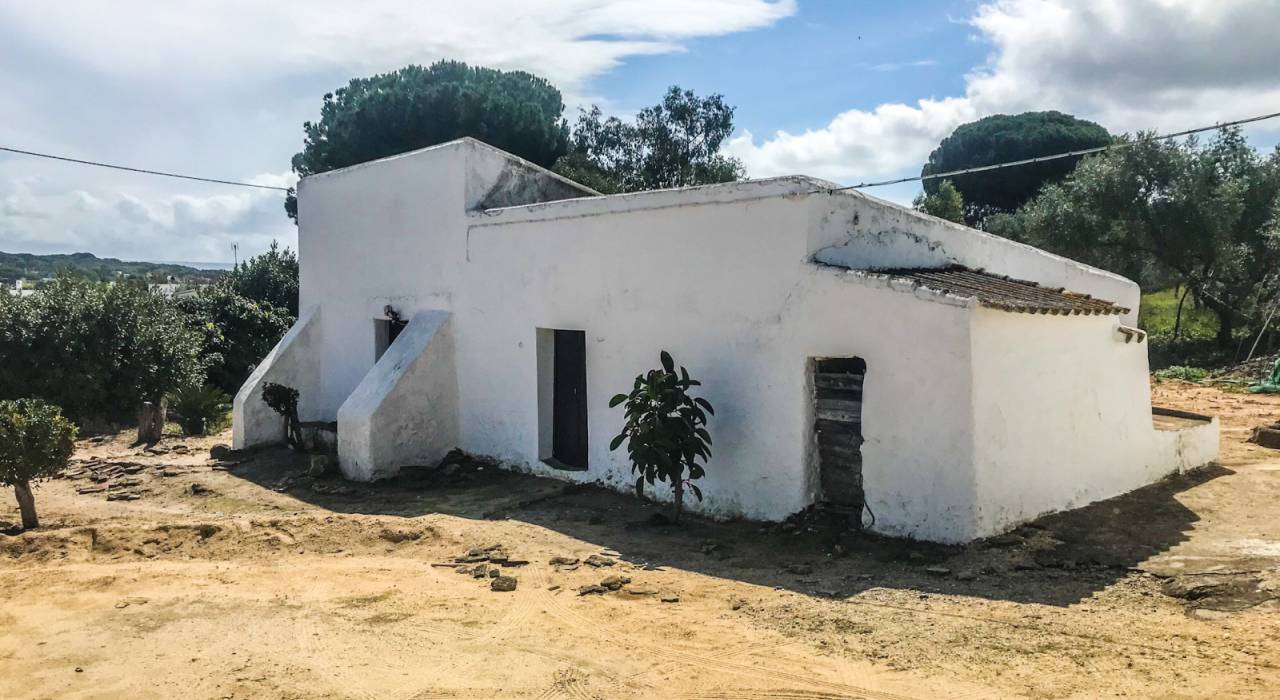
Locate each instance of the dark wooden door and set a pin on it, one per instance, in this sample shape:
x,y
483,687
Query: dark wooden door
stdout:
x,y
569,400
837,393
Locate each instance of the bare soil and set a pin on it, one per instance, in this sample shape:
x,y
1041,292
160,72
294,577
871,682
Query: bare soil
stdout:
x,y
166,573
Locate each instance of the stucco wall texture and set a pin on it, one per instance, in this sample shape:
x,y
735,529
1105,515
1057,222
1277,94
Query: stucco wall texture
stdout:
x,y
974,419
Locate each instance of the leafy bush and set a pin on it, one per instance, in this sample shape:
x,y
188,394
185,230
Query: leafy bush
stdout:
x,y
96,350
1187,374
236,332
35,443
200,410
284,400
269,278
665,430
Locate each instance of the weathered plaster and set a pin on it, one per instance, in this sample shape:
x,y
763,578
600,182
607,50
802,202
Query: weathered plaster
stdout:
x,y
292,362
405,410
737,282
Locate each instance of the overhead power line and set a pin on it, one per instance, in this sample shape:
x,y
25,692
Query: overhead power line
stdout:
x,y
142,170
1055,156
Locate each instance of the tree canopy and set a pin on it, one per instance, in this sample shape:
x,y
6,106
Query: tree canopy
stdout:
x,y
946,203
675,143
415,107
1206,216
97,350
270,278
1002,138
35,443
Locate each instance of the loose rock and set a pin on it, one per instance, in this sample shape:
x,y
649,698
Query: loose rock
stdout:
x,y
504,584
613,583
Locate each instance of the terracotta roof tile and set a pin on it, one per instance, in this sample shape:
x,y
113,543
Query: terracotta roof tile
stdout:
x,y
1004,293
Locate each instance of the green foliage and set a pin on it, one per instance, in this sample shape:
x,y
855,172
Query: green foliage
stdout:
x,y
200,410
236,333
244,315
270,278
665,430
675,143
1187,374
35,441
284,400
96,350
415,107
1203,216
1158,316
947,203
1002,138
1188,340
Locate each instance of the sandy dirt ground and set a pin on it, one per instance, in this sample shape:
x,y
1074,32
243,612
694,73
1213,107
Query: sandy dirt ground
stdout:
x,y
165,573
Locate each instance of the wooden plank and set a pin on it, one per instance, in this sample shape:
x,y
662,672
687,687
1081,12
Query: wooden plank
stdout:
x,y
842,486
845,405
839,416
840,453
838,381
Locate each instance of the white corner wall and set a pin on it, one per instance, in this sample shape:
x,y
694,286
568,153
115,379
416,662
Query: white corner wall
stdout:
x,y
294,362
1062,417
405,410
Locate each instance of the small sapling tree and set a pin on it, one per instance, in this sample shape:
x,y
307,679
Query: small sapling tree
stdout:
x,y
665,430
284,400
35,443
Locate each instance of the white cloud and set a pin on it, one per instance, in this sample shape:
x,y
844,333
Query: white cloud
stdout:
x,y
890,67
189,45
150,226
220,88
1138,64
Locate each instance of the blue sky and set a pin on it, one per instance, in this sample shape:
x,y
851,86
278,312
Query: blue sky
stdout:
x,y
829,55
849,91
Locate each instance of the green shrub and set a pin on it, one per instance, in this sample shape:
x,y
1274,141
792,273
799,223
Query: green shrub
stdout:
x,y
35,443
96,350
665,430
236,332
200,410
284,400
1188,374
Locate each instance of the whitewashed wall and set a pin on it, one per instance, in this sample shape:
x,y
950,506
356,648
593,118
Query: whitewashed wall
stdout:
x,y
724,278
405,410
1062,417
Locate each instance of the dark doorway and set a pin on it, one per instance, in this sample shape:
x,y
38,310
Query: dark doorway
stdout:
x,y
837,426
385,332
569,400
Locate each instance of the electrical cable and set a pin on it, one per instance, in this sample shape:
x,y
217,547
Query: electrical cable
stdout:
x,y
141,170
1055,156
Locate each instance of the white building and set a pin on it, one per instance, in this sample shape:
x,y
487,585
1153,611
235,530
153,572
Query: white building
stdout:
x,y
841,339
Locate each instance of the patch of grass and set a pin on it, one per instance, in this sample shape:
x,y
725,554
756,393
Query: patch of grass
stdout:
x,y
1158,314
1196,344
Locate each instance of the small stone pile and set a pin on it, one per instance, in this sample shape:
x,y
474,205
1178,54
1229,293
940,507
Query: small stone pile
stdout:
x,y
488,562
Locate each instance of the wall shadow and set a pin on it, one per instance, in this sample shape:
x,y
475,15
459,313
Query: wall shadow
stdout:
x,y
1058,559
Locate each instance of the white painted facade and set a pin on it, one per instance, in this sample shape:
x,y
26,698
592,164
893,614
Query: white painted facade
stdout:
x,y
974,419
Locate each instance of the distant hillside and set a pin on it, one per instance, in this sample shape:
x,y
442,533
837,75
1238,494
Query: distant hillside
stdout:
x,y
15,266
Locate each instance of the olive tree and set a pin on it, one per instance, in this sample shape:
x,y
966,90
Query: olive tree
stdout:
x,y
35,443
665,430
